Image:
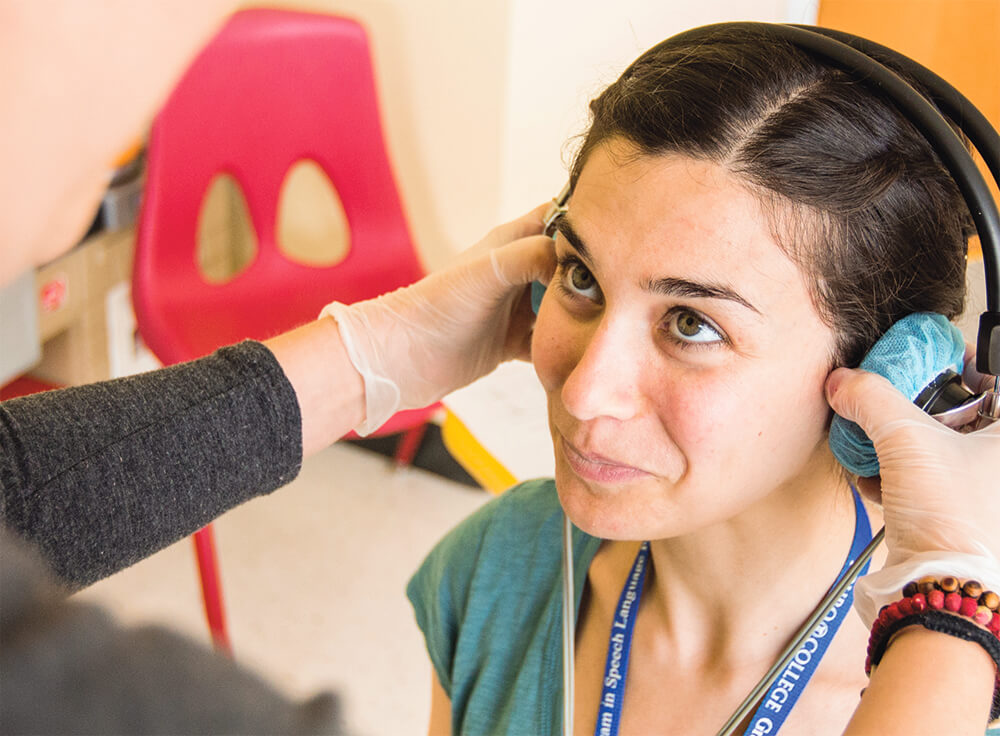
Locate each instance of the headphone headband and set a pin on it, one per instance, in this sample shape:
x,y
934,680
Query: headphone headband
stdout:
x,y
858,56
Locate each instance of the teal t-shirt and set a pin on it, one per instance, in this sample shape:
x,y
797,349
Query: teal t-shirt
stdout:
x,y
488,599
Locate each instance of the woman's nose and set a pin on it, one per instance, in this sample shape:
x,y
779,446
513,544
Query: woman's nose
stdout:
x,y
605,380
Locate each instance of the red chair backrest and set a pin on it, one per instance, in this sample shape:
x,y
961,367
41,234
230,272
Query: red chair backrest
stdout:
x,y
273,88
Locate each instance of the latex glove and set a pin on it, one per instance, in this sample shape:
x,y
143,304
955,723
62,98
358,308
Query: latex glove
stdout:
x,y
940,490
416,344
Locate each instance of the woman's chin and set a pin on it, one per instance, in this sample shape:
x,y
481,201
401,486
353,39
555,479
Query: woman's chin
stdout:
x,y
605,513
634,512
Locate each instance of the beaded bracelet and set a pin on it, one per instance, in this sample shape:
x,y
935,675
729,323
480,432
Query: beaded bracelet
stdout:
x,y
947,606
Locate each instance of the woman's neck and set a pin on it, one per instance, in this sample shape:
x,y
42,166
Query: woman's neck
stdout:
x,y
732,594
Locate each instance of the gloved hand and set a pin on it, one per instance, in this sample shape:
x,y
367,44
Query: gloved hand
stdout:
x,y
416,344
940,490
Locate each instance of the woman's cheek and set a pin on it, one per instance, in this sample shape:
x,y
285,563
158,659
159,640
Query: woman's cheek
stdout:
x,y
719,414
698,411
778,421
551,345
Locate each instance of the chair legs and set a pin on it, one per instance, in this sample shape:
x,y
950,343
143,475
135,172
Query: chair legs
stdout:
x,y
211,589
208,566
409,444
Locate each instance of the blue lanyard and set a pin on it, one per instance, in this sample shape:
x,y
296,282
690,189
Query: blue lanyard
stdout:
x,y
782,696
785,691
616,668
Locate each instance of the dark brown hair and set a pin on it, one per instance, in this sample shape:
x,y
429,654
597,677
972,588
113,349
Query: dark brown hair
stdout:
x,y
854,193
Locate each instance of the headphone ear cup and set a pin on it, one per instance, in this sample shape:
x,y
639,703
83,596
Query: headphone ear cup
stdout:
x,y
537,292
911,355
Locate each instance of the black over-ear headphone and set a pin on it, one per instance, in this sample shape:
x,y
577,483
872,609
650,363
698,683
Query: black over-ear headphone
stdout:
x,y
862,59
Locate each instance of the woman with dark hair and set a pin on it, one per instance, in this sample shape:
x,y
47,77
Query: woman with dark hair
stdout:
x,y
743,219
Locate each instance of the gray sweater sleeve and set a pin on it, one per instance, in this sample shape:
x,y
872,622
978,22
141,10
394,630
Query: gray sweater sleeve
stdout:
x,y
98,477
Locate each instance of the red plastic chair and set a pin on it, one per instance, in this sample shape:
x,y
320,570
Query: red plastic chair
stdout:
x,y
273,88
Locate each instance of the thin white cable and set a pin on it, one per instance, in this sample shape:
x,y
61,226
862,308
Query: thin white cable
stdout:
x,y
747,706
569,627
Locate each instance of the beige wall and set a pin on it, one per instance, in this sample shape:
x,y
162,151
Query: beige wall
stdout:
x,y
479,97
561,54
440,72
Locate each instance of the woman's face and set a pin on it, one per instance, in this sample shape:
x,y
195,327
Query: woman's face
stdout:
x,y
681,354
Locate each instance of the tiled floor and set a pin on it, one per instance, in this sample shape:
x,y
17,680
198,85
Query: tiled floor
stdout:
x,y
314,579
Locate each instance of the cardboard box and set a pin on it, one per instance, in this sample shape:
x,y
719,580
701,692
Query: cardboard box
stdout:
x,y
62,292
72,292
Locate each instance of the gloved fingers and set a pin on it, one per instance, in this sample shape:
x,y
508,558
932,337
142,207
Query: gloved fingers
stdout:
x,y
522,323
518,264
881,411
524,260
936,489
418,343
873,403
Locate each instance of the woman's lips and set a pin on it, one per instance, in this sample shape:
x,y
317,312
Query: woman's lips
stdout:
x,y
597,468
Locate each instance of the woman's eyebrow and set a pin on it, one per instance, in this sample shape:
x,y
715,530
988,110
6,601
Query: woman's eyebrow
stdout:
x,y
682,287
666,286
565,228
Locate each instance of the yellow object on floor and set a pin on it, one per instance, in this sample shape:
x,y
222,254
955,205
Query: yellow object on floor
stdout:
x,y
497,428
471,455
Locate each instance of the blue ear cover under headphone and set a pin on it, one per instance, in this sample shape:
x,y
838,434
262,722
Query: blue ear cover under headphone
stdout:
x,y
537,292
911,355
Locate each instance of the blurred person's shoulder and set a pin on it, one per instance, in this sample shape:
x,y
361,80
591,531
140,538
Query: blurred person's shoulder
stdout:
x,y
67,667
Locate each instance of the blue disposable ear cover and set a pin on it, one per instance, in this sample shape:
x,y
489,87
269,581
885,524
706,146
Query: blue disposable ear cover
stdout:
x,y
911,354
537,292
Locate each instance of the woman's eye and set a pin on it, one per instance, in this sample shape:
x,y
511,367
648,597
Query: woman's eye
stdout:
x,y
577,280
581,278
686,326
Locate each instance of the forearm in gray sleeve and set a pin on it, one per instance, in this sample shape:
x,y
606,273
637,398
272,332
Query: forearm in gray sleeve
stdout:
x,y
98,477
